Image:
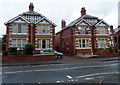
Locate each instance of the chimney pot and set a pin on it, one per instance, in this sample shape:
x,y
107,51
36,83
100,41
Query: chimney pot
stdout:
x,y
111,28
31,7
83,11
63,23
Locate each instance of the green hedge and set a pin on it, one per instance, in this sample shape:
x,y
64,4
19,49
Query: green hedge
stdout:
x,y
13,50
29,48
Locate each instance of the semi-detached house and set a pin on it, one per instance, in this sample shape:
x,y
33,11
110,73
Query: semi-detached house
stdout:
x,y
85,35
30,27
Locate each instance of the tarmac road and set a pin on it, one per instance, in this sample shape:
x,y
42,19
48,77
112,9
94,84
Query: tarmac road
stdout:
x,y
80,72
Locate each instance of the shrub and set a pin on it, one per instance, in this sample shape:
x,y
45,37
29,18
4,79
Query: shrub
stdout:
x,y
5,53
13,50
29,48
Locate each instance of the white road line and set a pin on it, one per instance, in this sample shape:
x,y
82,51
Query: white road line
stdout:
x,y
89,78
13,72
69,77
71,68
0,73
57,81
90,75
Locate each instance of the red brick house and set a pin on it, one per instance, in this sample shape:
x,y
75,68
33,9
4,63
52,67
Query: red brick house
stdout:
x,y
85,35
30,27
114,33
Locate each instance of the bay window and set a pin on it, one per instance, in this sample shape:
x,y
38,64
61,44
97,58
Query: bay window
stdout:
x,y
20,43
43,43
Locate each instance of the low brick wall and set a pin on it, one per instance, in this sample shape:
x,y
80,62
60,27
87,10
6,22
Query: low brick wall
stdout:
x,y
28,58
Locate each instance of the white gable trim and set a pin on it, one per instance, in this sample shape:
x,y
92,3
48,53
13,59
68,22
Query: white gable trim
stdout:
x,y
13,19
46,20
102,21
84,21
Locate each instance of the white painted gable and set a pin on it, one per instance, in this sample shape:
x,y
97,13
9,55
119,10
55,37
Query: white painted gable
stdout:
x,y
82,23
19,21
44,22
101,24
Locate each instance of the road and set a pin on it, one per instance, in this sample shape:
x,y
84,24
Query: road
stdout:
x,y
87,72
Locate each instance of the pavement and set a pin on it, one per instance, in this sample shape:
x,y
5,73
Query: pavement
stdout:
x,y
65,60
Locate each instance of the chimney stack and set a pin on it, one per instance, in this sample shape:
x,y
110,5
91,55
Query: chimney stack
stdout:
x,y
31,7
111,28
83,11
63,24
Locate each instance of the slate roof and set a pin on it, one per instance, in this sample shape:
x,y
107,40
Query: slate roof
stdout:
x,y
83,18
24,17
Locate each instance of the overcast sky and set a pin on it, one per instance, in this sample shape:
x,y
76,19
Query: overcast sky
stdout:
x,y
56,10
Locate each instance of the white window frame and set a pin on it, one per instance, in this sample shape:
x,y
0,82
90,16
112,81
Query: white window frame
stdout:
x,y
47,42
15,28
45,28
80,42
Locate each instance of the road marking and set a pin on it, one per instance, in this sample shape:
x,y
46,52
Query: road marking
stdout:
x,y
89,75
13,72
69,77
57,81
89,78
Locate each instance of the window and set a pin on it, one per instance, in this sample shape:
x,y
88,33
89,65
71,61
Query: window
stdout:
x,y
20,43
102,30
43,43
103,43
39,43
43,29
84,43
82,30
19,28
14,43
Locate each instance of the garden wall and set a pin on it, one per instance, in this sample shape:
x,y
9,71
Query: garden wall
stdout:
x,y
28,58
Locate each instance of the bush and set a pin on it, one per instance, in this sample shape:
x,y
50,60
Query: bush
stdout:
x,y
29,48
13,50
5,53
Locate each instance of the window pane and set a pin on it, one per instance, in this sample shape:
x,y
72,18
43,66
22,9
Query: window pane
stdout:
x,y
19,43
39,43
23,42
13,42
19,28
43,43
80,43
83,43
48,43
48,29
24,28
39,29
14,28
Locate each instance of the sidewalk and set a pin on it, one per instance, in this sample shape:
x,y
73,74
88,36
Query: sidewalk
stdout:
x,y
65,60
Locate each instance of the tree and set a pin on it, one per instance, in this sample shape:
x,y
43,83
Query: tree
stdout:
x,y
29,48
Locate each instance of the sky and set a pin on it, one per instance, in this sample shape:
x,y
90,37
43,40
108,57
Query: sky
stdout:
x,y
56,10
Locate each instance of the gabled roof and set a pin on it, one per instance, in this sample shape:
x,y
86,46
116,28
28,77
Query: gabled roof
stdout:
x,y
15,18
83,18
116,30
101,22
44,18
24,17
